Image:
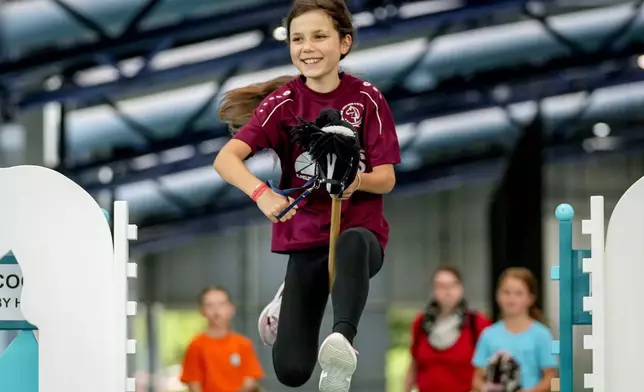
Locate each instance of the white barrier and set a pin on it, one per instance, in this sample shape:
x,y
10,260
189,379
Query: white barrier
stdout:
x,y
624,277
75,282
595,303
615,267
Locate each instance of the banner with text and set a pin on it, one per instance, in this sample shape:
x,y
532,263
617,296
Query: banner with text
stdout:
x,y
11,283
10,291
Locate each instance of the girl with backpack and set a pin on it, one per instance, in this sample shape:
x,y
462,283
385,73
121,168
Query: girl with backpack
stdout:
x,y
444,338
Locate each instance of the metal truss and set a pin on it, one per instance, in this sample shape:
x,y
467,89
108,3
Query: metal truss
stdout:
x,y
188,136
612,45
523,83
147,44
134,41
123,167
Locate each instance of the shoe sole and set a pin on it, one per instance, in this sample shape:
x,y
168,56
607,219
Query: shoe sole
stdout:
x,y
338,362
262,322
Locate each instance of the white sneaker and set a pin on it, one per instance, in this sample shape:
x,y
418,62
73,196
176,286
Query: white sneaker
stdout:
x,y
269,318
338,360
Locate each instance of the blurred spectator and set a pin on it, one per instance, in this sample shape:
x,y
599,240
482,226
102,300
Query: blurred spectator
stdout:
x,y
444,338
520,333
219,360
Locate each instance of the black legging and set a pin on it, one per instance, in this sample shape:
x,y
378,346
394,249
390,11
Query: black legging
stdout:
x,y
359,257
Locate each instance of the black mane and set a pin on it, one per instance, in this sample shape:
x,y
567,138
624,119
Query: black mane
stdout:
x,y
330,136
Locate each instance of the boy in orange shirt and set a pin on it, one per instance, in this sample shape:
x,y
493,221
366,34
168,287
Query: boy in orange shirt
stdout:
x,y
219,360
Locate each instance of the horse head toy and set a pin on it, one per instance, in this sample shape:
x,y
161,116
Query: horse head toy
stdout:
x,y
334,147
503,374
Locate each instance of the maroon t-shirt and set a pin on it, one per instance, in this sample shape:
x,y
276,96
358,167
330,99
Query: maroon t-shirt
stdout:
x,y
365,108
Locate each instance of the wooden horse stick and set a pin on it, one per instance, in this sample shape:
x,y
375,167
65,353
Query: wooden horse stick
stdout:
x,y
336,212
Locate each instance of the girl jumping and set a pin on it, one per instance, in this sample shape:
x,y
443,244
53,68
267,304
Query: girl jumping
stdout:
x,y
320,34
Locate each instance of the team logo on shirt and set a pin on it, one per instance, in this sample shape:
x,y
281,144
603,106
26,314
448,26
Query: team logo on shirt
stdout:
x,y
352,113
235,360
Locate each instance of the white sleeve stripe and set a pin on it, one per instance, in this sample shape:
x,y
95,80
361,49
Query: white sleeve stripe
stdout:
x,y
377,109
274,109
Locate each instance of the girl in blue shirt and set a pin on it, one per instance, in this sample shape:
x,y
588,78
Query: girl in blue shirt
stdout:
x,y
520,333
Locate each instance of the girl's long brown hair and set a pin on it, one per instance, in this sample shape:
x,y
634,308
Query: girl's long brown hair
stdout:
x,y
238,105
527,277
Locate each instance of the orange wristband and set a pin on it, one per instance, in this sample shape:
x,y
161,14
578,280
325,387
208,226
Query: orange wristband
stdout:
x,y
259,190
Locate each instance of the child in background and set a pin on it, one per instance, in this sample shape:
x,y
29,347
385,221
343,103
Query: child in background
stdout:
x,y
520,333
219,360
444,337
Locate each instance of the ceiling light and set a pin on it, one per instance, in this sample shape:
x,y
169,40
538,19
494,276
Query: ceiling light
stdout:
x,y
601,130
280,33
